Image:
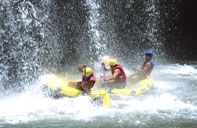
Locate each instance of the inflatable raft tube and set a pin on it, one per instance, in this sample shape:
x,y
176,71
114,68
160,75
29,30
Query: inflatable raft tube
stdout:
x,y
140,88
65,86
60,85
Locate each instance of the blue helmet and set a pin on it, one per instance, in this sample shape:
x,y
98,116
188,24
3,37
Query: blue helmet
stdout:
x,y
149,54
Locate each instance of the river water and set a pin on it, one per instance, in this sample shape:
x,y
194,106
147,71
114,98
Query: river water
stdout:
x,y
48,36
170,103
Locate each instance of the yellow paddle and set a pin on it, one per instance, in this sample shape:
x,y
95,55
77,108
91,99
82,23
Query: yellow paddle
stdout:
x,y
106,98
88,60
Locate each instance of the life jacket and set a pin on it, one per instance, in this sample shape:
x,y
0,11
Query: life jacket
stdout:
x,y
122,76
150,70
90,79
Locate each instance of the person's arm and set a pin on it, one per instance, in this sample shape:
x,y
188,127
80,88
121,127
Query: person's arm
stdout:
x,y
135,69
80,69
105,67
114,76
145,68
88,87
139,70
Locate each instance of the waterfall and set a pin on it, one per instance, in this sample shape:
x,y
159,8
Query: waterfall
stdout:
x,y
47,36
96,34
153,26
27,43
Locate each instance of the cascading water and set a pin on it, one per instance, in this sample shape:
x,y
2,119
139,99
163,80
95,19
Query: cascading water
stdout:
x,y
94,21
152,26
99,39
126,32
43,36
25,44
31,41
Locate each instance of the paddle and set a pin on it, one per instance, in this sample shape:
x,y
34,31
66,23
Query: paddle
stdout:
x,y
85,77
106,98
88,60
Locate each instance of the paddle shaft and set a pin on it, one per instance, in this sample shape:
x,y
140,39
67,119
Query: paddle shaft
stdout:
x,y
85,78
89,60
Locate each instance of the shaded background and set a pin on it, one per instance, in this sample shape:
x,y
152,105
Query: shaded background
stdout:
x,y
39,37
187,23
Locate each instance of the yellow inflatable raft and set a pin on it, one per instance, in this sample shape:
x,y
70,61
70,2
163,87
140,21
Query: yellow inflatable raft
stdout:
x,y
68,87
140,88
60,85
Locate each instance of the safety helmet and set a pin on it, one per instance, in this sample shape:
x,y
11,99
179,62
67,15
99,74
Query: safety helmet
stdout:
x,y
112,62
88,72
149,54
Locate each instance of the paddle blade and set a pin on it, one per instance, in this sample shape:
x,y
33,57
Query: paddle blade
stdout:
x,y
89,60
106,100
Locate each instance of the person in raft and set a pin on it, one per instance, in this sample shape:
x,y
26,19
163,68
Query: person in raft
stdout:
x,y
90,79
118,78
145,70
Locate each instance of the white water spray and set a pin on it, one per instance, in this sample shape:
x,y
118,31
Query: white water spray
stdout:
x,y
94,21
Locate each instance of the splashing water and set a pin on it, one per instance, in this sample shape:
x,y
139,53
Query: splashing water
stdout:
x,y
36,46
96,34
165,102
